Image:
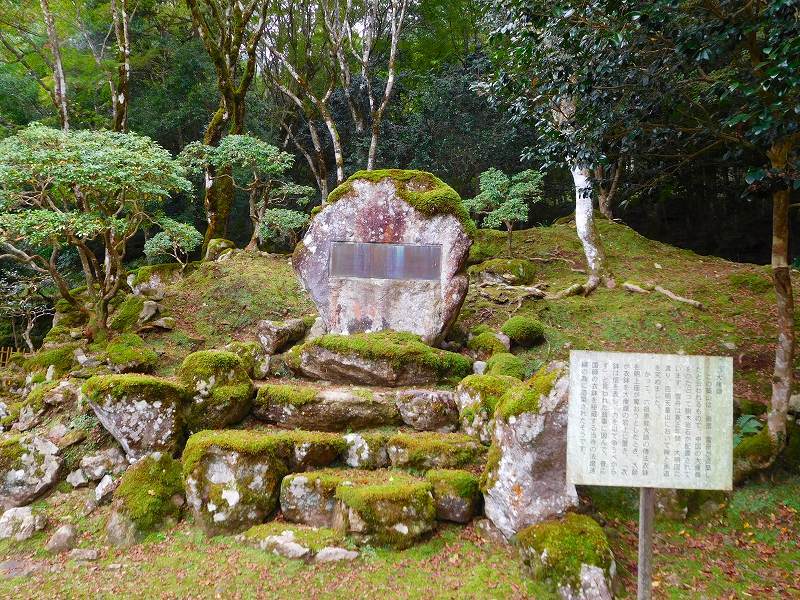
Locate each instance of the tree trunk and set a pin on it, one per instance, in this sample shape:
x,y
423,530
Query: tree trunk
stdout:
x,y
59,80
509,229
784,348
26,335
607,194
119,100
587,231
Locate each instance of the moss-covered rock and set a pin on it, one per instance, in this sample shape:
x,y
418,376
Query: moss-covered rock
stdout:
x,y
505,364
126,317
367,449
486,344
305,407
216,248
427,450
220,386
572,554
523,331
381,358
151,280
313,538
29,468
512,271
143,413
148,496
477,397
385,508
126,353
232,478
254,360
754,453
456,493
54,361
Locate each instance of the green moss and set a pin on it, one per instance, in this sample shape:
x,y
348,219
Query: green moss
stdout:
x,y
398,348
524,331
516,271
525,398
128,348
506,364
486,344
487,244
146,490
12,417
751,407
118,386
453,482
424,191
62,358
425,450
285,395
248,352
756,448
11,450
555,550
253,443
489,475
58,334
35,398
750,281
225,367
127,314
166,271
480,328
315,538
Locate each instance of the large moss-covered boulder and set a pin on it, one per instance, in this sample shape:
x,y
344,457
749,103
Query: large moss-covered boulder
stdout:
x,y
571,554
505,364
388,508
306,407
384,358
457,494
29,467
232,478
127,353
143,413
220,387
149,496
428,450
390,206
477,397
525,477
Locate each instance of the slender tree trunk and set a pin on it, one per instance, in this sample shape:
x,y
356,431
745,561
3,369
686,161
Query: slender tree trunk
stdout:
x,y
59,80
338,153
607,193
509,229
26,335
784,348
587,231
218,195
120,91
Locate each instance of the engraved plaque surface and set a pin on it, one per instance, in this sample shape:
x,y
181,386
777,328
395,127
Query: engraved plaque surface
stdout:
x,y
650,420
386,261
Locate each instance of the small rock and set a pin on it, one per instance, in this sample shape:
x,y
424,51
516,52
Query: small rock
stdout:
x,y
150,309
334,554
83,360
31,475
489,531
729,345
19,568
285,545
76,436
114,567
57,432
111,460
77,478
27,419
63,539
317,330
277,335
794,404
20,523
657,266
84,554
659,326
479,367
104,489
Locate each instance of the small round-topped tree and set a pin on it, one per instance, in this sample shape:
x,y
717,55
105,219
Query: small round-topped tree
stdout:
x,y
387,251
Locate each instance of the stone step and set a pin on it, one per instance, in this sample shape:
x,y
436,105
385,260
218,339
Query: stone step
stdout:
x,y
233,477
304,406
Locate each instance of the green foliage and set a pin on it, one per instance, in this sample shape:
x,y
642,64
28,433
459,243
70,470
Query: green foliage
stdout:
x,y
745,426
282,225
175,240
525,331
146,490
505,200
506,364
253,159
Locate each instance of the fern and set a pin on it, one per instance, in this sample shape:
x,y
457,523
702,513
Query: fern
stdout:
x,y
746,425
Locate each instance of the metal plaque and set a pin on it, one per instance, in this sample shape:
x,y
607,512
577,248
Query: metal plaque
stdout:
x,y
385,261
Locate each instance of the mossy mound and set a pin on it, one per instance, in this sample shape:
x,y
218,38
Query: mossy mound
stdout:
x,y
524,331
11,451
554,551
752,454
506,364
220,387
62,359
127,352
486,344
285,395
147,492
117,387
456,493
217,247
514,271
422,190
478,396
146,274
254,359
409,359
127,314
428,450
526,397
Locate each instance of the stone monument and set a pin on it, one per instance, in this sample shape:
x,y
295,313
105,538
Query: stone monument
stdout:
x,y
387,251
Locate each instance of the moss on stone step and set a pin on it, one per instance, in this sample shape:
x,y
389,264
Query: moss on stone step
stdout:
x,y
285,395
428,450
486,344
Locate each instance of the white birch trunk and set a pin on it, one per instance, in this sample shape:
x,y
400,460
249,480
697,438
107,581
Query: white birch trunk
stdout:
x,y
59,80
587,231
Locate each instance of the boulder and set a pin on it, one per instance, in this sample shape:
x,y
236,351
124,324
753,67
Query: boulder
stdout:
x,y
391,509
254,359
20,523
232,478
386,358
29,468
64,538
143,413
303,450
426,450
104,489
525,477
109,461
334,554
305,407
151,281
149,496
367,449
310,498
386,207
216,248
276,336
477,397
571,554
127,353
83,554
220,386
428,410
456,494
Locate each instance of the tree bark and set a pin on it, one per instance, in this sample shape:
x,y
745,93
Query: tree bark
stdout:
x,y
120,91
509,238
606,195
587,231
784,348
59,80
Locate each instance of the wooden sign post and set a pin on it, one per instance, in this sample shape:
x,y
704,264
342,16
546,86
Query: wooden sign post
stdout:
x,y
650,421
